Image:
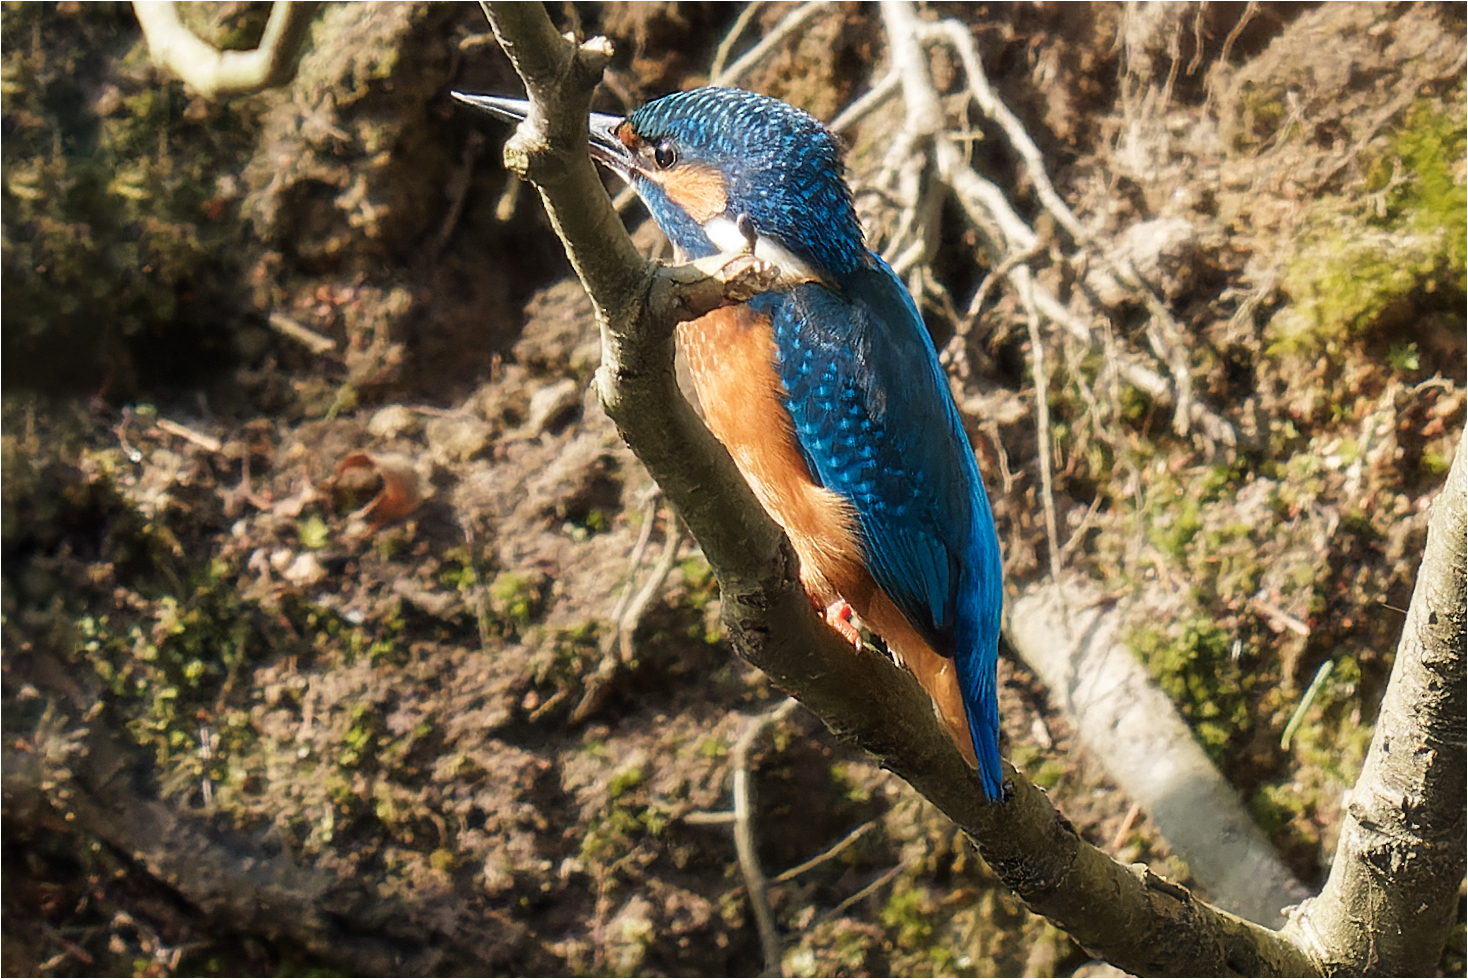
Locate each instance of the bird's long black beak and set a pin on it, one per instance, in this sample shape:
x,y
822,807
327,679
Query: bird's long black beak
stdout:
x,y
606,148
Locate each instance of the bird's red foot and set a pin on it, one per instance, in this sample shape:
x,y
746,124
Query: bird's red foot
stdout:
x,y
838,616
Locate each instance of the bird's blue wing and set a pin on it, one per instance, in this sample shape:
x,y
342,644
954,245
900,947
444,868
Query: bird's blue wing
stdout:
x,y
877,425
874,418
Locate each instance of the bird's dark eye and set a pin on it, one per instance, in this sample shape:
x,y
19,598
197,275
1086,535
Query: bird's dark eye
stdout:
x,y
664,154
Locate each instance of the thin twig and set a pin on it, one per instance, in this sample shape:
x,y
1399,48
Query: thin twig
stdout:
x,y
616,649
858,110
834,851
1250,9
652,587
1125,829
1078,534
871,888
793,22
1042,420
457,191
1174,52
634,559
726,46
1196,61
990,427
308,338
754,878
709,818
207,442
956,350
990,104
1131,366
1279,619
120,430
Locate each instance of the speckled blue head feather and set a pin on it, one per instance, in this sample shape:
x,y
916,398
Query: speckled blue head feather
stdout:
x,y
784,169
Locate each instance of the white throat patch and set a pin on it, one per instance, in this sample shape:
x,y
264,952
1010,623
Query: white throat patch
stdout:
x,y
727,237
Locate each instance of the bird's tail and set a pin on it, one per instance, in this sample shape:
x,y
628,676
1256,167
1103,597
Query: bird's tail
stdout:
x,y
983,709
962,687
935,673
975,660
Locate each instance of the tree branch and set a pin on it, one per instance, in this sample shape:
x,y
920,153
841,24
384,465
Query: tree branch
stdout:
x,y
1393,888
214,73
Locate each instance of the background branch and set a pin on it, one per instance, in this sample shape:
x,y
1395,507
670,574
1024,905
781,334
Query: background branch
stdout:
x,y
1071,638
214,73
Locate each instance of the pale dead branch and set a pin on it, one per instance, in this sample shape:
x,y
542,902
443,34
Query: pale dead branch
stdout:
x,y
214,73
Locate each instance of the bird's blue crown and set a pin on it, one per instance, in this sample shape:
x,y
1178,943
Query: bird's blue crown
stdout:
x,y
781,167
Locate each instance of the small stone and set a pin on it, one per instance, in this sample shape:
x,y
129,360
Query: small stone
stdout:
x,y
392,421
550,406
305,570
457,439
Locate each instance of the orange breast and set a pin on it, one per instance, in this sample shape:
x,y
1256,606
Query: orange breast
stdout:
x,y
731,357
732,360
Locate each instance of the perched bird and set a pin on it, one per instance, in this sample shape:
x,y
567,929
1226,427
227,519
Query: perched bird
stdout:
x,y
827,390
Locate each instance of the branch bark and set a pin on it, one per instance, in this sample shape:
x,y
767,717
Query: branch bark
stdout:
x,y
1393,888
1126,915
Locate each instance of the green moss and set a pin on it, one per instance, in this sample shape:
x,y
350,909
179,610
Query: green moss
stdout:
x,y
907,918
698,578
1049,773
627,818
1431,146
1364,261
514,597
851,788
461,570
1261,109
1435,463
1404,359
390,543
1039,767
628,778
313,532
1191,660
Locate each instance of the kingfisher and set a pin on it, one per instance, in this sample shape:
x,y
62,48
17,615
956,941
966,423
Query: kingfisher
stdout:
x,y
826,390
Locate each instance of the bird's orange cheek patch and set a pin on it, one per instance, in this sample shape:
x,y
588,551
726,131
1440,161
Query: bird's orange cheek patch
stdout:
x,y
699,191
